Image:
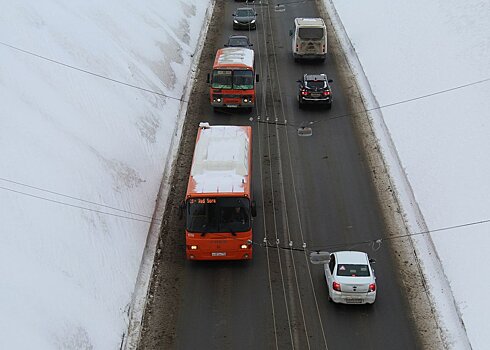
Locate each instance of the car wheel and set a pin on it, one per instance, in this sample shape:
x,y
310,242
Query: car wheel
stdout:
x,y
329,106
300,105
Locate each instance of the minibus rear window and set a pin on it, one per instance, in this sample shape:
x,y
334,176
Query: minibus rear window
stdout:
x,y
310,33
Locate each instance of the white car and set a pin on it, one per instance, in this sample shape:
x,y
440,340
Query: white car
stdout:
x,y
350,278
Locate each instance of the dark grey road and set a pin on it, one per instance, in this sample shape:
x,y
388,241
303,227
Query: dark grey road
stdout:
x,y
314,190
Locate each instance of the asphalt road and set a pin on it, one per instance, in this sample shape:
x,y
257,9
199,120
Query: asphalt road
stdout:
x,y
312,190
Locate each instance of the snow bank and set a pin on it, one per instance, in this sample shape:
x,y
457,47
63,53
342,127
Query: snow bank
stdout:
x,y
68,273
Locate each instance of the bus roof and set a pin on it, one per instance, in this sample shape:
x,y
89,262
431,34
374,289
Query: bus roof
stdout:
x,y
309,22
222,161
234,57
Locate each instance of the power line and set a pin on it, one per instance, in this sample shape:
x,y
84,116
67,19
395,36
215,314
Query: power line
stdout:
x,y
394,103
76,206
186,101
267,245
350,245
92,73
371,241
75,198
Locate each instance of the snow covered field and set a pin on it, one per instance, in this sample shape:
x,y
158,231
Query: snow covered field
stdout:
x,y
71,140
415,48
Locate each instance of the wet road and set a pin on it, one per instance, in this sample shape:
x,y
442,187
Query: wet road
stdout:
x,y
311,191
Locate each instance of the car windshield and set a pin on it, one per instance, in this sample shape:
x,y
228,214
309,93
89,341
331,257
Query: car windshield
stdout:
x,y
245,13
218,215
233,79
243,80
310,33
319,84
222,79
353,270
243,42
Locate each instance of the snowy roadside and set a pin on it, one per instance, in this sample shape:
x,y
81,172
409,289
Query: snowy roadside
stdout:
x,y
141,292
420,249
90,99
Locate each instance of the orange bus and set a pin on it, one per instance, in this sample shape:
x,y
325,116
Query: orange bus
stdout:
x,y
218,203
233,78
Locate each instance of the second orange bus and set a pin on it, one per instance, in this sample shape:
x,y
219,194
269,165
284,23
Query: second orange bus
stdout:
x,y
233,79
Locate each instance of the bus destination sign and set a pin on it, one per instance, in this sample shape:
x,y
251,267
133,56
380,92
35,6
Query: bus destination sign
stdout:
x,y
202,201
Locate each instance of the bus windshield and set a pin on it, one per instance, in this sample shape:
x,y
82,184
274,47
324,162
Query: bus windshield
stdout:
x,y
218,215
233,79
222,79
243,80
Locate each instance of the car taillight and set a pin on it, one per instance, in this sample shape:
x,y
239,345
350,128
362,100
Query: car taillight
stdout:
x,y
326,93
336,286
304,92
372,287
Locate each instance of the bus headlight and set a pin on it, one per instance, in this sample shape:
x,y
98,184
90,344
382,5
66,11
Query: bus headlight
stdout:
x,y
243,246
193,247
245,100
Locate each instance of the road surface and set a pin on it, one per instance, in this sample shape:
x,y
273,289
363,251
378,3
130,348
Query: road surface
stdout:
x,y
313,191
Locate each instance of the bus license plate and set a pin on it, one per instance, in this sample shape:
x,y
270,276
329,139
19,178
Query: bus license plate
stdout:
x,y
232,106
218,254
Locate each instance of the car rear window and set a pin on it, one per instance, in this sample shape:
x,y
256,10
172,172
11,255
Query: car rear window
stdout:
x,y
353,270
238,41
315,84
